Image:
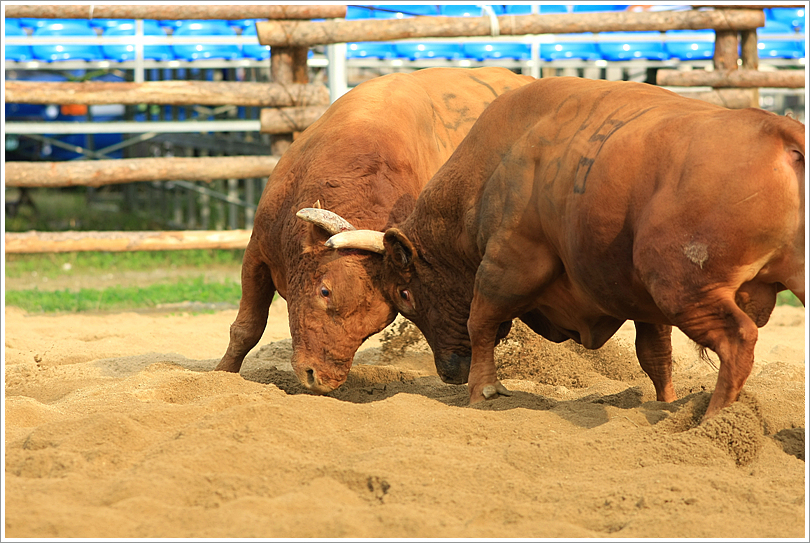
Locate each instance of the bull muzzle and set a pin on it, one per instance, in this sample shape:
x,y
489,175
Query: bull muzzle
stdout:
x,y
320,380
452,368
313,382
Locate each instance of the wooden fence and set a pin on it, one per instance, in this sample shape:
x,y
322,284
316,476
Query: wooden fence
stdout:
x,y
294,103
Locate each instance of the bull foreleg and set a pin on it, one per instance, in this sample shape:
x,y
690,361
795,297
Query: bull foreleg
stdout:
x,y
654,351
483,381
251,320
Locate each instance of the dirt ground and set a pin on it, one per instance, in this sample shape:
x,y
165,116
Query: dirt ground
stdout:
x,y
115,427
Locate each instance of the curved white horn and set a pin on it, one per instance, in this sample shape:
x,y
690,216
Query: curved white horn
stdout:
x,y
331,222
367,240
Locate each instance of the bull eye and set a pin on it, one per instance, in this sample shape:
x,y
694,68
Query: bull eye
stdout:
x,y
405,295
325,292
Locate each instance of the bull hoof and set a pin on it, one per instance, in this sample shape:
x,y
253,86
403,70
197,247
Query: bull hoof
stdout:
x,y
492,391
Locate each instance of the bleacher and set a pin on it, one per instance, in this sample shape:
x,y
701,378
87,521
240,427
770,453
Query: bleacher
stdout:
x,y
235,41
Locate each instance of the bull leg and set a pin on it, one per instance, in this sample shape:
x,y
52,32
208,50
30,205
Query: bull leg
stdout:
x,y
483,381
733,338
654,351
507,284
724,328
251,320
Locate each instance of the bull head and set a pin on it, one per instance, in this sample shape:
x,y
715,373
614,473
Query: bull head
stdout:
x,y
334,304
452,364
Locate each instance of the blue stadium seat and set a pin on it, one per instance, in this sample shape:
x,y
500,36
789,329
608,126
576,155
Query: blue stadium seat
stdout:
x,y
400,11
27,22
242,24
254,50
779,48
123,52
414,51
589,8
585,50
699,45
555,8
105,24
793,17
71,28
461,10
370,49
646,45
495,50
525,9
205,50
170,24
359,12
17,53
520,9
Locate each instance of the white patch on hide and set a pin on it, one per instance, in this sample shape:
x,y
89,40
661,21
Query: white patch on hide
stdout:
x,y
697,253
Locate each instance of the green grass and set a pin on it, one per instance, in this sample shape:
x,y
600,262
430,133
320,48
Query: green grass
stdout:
x,y
787,298
184,289
68,209
87,263
121,298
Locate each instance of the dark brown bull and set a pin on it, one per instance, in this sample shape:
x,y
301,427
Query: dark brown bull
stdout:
x,y
366,159
575,205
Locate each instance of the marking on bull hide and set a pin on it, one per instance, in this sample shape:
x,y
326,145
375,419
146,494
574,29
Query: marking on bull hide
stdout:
x,y
609,126
461,113
487,85
697,253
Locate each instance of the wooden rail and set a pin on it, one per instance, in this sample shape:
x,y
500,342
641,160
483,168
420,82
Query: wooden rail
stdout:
x,y
730,98
63,242
243,93
173,12
289,120
96,173
792,79
309,33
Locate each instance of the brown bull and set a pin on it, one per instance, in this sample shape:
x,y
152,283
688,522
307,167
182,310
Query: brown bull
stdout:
x,y
367,158
575,205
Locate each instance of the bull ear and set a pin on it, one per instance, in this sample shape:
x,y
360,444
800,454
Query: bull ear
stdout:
x,y
399,248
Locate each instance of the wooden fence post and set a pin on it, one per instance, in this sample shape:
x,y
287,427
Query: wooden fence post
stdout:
x,y
288,66
750,58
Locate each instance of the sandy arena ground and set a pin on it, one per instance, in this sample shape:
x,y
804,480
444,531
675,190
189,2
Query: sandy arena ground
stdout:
x,y
115,427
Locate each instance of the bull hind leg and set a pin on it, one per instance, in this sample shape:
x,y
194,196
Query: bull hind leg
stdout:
x,y
730,329
251,320
733,340
723,327
654,351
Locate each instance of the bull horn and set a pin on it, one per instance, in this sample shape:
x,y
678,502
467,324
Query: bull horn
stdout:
x,y
331,222
367,240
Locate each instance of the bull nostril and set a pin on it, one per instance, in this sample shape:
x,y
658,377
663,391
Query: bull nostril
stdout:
x,y
310,377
